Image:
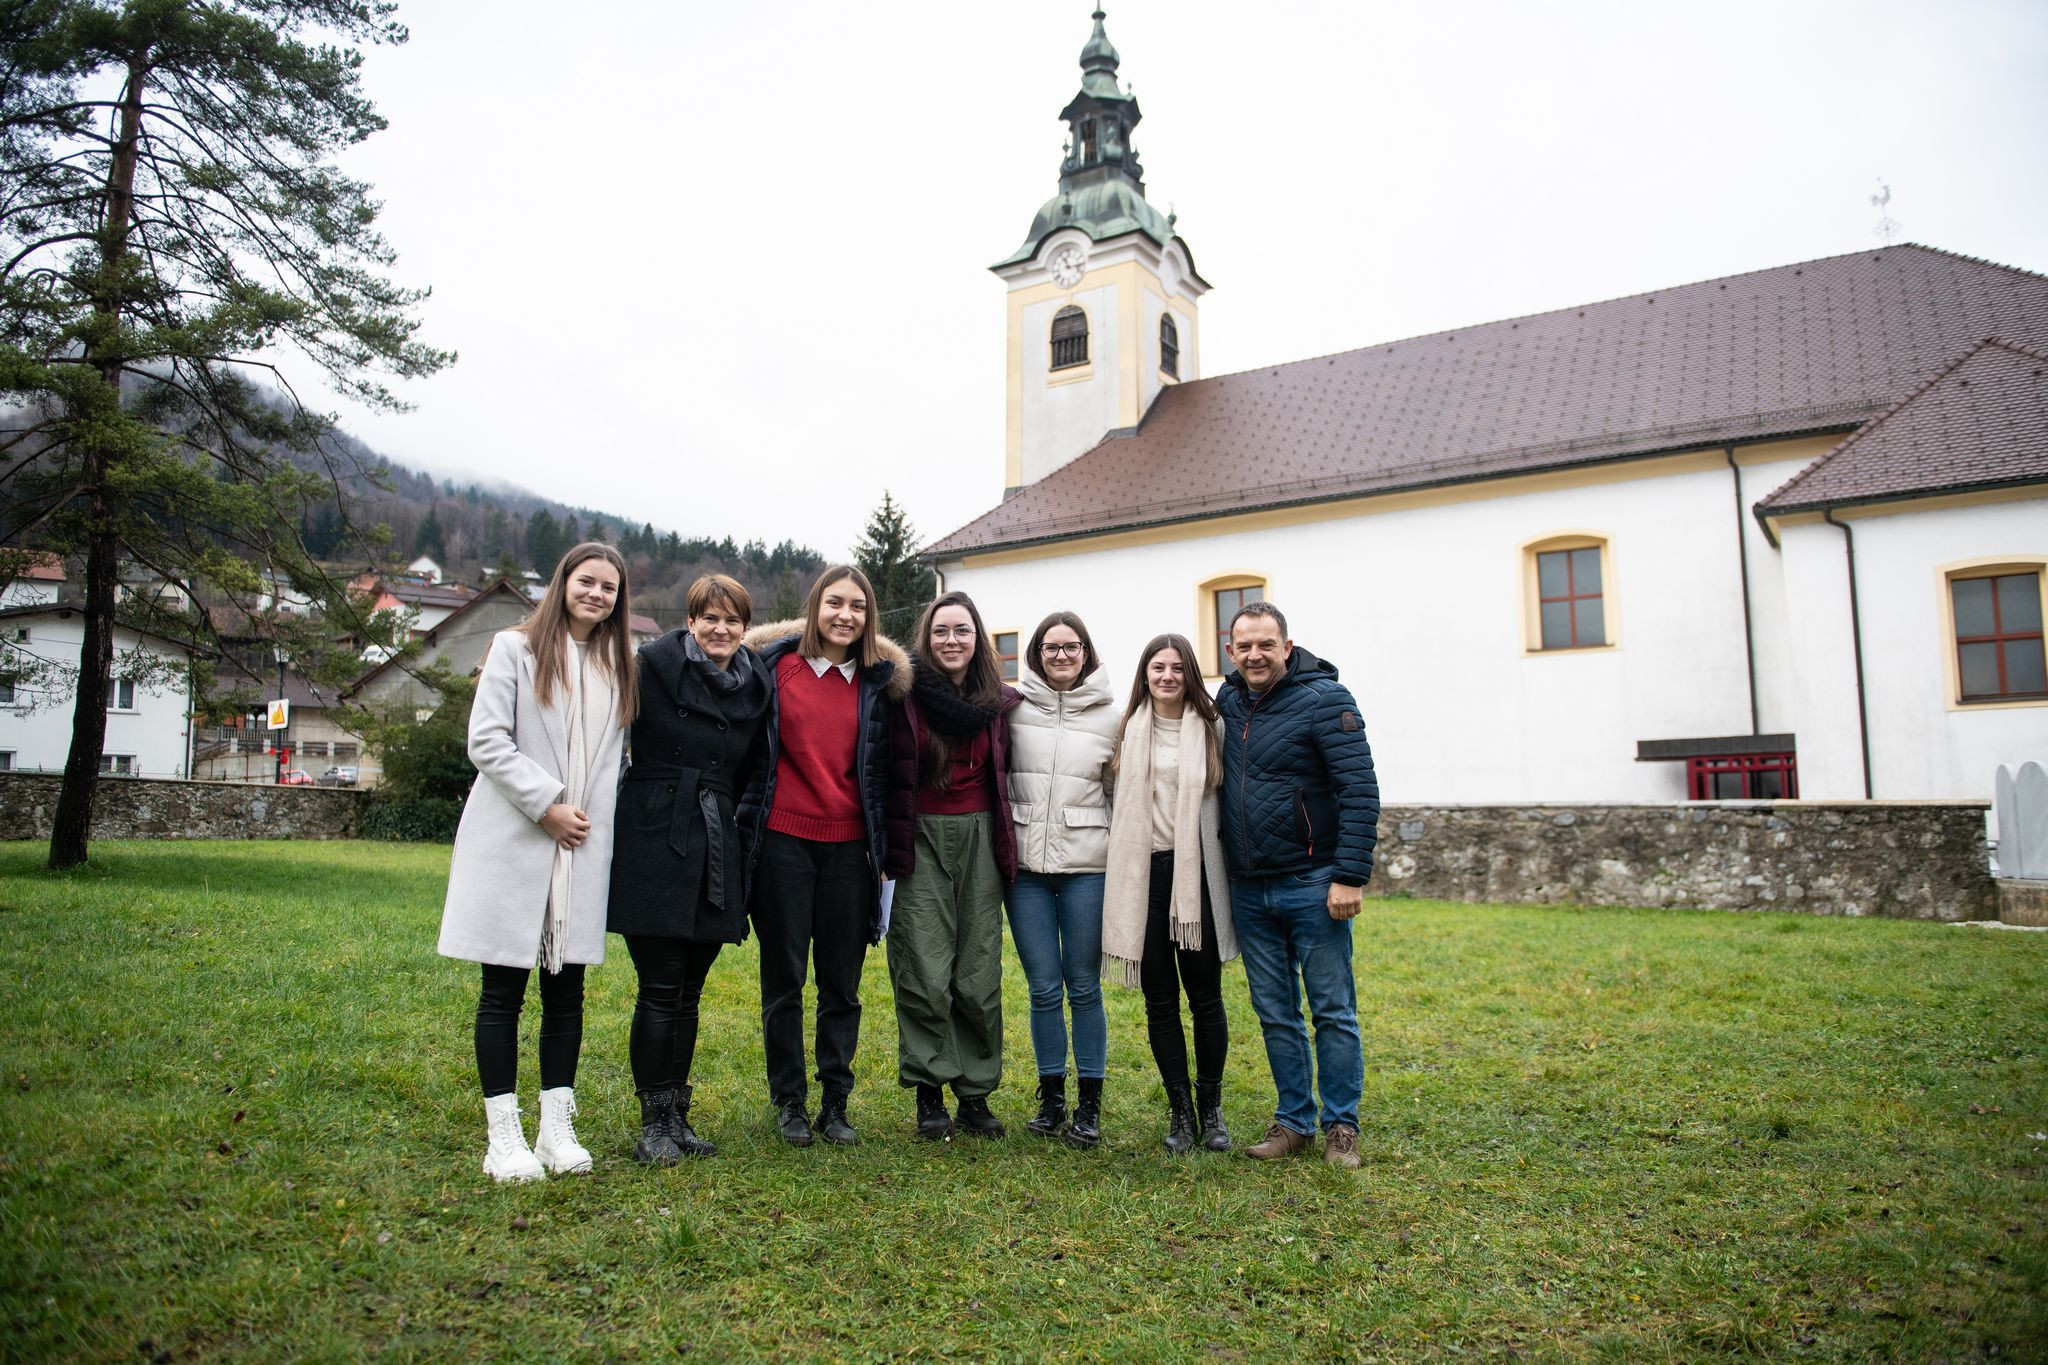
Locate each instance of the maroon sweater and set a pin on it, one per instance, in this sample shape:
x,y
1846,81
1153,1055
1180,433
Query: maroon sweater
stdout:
x,y
817,790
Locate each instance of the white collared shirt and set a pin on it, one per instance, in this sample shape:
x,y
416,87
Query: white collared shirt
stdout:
x,y
819,663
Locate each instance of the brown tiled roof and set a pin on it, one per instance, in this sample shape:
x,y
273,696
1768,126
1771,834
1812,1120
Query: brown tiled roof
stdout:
x,y
1982,422
1818,346
431,594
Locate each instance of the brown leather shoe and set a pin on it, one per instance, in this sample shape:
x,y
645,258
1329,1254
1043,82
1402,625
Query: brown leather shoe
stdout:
x,y
1340,1146
1280,1140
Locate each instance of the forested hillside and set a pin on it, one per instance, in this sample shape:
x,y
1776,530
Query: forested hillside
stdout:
x,y
470,528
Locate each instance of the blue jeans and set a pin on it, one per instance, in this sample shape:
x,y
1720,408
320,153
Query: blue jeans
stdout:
x,y
1056,922
1290,944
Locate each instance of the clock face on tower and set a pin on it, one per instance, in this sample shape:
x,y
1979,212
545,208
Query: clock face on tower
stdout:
x,y
1066,265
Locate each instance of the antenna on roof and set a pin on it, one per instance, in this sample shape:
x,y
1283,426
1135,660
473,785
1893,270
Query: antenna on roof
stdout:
x,y
1887,226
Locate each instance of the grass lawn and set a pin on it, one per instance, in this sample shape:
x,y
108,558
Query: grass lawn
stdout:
x,y
240,1119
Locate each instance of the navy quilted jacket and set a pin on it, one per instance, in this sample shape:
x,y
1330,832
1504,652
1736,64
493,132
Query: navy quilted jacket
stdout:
x,y
1298,785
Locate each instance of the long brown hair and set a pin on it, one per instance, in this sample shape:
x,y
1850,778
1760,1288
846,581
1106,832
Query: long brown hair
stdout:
x,y
1198,700
865,651
611,643
982,686
1036,660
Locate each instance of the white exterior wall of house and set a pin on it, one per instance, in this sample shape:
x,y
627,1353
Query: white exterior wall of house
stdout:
x,y
152,732
1923,743
28,592
1422,608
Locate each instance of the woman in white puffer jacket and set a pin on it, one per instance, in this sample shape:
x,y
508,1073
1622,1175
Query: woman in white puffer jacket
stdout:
x,y
1061,738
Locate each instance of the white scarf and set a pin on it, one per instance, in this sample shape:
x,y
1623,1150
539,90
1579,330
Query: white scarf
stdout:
x,y
586,710
1128,886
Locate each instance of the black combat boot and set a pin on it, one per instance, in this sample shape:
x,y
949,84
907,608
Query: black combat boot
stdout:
x,y
1180,1119
934,1124
679,1129
1086,1129
792,1123
974,1117
832,1125
657,1146
1052,1106
1209,1114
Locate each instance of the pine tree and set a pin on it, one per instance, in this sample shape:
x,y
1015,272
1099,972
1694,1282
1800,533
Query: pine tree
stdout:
x,y
173,226
428,540
544,543
887,555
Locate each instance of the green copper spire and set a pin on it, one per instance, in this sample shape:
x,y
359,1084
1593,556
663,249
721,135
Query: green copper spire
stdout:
x,y
1102,185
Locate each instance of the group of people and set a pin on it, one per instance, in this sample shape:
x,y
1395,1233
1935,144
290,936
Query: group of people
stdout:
x,y
816,782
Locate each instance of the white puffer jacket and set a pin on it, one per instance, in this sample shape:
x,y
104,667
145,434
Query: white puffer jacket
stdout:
x,y
1060,743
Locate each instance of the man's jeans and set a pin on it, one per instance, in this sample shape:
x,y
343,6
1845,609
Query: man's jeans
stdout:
x,y
1286,935
1056,923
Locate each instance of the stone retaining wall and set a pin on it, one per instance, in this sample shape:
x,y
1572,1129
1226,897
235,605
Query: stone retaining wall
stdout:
x,y
144,808
1908,860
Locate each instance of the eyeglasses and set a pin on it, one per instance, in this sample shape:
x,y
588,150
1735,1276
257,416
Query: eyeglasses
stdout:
x,y
952,632
1057,651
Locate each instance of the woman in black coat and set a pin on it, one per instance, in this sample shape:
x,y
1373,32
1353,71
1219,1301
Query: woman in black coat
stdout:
x,y
689,826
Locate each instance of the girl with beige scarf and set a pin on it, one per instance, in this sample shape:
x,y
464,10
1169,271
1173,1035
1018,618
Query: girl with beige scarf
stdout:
x,y
1166,905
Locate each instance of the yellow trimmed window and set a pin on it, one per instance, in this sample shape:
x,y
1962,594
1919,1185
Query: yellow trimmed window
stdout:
x,y
1997,615
1220,600
1568,590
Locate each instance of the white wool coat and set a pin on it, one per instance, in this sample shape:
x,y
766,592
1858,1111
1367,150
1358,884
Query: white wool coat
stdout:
x,y
1060,743
498,881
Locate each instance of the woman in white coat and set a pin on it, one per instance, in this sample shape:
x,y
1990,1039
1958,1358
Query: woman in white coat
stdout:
x,y
1166,909
532,866
1061,737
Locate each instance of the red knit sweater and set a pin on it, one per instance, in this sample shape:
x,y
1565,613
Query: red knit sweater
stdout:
x,y
817,788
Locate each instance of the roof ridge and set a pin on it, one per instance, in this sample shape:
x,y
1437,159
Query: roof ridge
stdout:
x,y
1848,442
1619,298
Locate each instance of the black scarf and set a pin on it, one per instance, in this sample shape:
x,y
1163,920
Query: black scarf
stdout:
x,y
716,678
944,709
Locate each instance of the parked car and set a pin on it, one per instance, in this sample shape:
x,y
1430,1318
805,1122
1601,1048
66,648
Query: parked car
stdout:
x,y
295,777
338,777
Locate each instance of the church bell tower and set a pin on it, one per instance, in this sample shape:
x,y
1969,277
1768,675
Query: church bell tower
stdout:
x,y
1102,294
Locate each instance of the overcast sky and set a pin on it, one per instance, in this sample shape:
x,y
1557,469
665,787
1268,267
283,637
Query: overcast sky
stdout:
x,y
723,267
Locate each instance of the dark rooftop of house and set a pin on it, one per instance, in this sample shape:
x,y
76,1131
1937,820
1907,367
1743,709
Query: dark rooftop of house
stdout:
x,y
1819,346
1982,422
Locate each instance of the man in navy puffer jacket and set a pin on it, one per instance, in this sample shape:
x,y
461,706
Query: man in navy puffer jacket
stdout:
x,y
1301,811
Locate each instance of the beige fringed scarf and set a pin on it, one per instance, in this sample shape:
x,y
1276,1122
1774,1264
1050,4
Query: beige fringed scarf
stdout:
x,y
586,710
1127,888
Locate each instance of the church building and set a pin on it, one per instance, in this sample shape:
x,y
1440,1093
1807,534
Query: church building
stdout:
x,y
1781,534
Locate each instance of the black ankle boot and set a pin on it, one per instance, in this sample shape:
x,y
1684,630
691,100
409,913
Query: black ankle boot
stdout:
x,y
1180,1119
934,1124
1209,1115
974,1117
792,1123
679,1129
832,1125
1052,1106
1086,1129
656,1146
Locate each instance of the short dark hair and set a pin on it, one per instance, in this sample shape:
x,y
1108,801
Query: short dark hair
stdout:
x,y
718,587
1267,609
1036,660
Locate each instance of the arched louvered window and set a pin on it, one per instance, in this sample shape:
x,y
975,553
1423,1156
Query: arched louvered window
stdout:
x,y
1169,345
1069,338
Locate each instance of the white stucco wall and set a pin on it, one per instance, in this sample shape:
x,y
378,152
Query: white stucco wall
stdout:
x,y
1922,742
1422,610
1064,417
153,731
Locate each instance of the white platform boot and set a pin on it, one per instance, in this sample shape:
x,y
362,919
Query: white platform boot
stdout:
x,y
555,1144
508,1157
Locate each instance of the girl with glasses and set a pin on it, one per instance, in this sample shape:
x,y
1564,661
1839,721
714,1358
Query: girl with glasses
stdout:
x,y
1062,733
951,849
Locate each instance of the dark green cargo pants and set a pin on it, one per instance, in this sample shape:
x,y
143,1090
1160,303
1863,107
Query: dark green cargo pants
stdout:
x,y
946,958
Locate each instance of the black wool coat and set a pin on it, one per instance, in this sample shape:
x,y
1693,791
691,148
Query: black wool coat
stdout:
x,y
692,810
